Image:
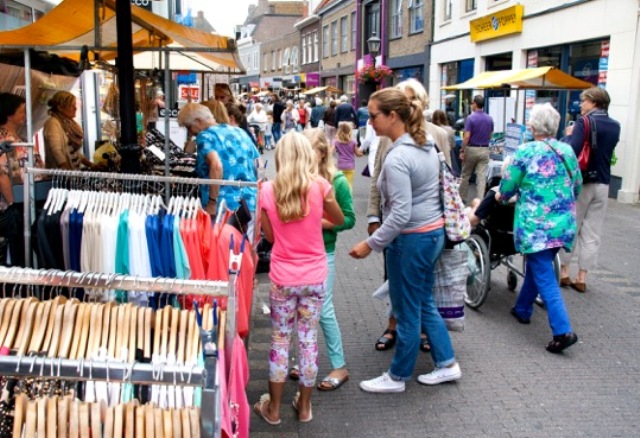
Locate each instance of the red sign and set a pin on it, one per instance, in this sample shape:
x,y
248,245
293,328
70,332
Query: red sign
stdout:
x,y
604,49
190,93
602,77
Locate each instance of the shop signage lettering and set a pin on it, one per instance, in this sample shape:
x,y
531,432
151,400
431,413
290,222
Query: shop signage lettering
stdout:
x,y
172,112
141,3
604,49
504,22
189,93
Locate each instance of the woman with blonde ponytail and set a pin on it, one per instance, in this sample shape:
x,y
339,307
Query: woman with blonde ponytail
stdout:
x,y
412,233
294,207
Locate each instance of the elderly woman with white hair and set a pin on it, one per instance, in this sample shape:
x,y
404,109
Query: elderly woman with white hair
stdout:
x,y
546,177
224,152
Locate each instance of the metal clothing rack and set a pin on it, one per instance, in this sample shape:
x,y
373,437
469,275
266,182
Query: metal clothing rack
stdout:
x,y
135,373
168,180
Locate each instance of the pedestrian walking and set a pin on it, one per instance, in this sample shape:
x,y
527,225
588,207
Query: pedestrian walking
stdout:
x,y
592,202
474,152
546,177
347,150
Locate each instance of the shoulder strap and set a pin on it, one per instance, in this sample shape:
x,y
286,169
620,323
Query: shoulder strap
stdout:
x,y
566,166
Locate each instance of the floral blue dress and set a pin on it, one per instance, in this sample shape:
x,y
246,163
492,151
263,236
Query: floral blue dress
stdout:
x,y
547,189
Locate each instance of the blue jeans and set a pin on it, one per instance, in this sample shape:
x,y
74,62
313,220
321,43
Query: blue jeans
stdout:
x,y
328,321
276,129
411,260
540,278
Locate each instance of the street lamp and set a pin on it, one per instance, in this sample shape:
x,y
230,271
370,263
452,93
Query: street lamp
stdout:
x,y
374,46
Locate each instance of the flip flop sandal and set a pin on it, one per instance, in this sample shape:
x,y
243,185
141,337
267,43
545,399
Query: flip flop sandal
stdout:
x,y
386,343
258,409
294,405
562,342
333,381
424,345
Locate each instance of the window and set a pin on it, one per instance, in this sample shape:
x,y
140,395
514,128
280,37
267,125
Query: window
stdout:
x,y
344,34
416,16
294,59
304,49
286,56
447,10
265,61
353,31
256,60
273,60
279,59
316,53
334,38
325,42
396,18
471,5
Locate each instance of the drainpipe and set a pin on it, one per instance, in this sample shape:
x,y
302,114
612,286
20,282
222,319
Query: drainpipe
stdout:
x,y
358,44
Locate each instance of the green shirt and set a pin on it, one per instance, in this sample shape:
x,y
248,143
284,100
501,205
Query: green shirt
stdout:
x,y
345,201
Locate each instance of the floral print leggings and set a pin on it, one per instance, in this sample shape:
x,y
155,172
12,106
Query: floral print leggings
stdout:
x,y
287,302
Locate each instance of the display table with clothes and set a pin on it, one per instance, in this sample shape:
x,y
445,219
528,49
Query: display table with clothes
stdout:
x,y
181,163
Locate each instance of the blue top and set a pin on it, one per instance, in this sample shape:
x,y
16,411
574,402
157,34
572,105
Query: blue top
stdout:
x,y
152,231
607,137
238,156
363,116
480,125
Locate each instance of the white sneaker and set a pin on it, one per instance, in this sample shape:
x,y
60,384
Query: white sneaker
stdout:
x,y
440,375
384,383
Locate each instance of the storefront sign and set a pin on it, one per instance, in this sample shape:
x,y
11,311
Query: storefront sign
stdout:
x,y
189,93
313,80
504,22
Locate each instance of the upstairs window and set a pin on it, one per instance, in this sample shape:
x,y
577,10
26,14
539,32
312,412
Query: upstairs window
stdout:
x,y
325,42
471,5
334,38
416,15
396,18
344,35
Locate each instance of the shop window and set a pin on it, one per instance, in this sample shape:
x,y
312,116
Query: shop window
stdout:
x,y
286,57
315,46
396,19
325,42
470,5
344,35
304,49
416,15
334,38
349,85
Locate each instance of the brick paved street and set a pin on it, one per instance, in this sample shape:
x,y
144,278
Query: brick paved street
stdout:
x,y
510,385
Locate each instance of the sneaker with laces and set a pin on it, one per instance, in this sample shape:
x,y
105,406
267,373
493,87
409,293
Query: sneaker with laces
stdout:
x,y
384,383
441,375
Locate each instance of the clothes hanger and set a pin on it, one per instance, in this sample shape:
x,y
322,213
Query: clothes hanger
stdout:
x,y
42,319
108,421
122,350
133,333
94,330
129,420
74,420
96,422
18,415
57,302
21,319
140,328
106,324
118,421
41,412
30,419
148,324
56,330
176,422
184,421
182,337
85,424
194,419
167,422
68,325
139,419
113,330
13,324
149,421
84,333
159,421
52,416
27,328
63,416
6,319
77,330
166,321
157,333
173,337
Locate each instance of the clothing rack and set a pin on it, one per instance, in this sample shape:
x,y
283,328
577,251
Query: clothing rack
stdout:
x,y
110,176
136,373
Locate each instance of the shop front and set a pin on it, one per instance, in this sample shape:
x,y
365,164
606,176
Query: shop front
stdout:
x,y
570,37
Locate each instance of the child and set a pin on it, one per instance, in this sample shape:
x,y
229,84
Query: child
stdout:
x,y
293,206
327,169
347,149
268,133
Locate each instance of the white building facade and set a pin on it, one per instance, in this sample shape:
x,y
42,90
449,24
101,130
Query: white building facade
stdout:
x,y
595,40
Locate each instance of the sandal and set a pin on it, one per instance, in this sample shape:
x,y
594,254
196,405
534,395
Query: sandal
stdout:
x,y
424,343
562,342
294,404
386,342
258,408
332,382
294,373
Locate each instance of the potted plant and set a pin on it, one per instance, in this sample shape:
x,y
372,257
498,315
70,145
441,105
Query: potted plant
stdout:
x,y
370,73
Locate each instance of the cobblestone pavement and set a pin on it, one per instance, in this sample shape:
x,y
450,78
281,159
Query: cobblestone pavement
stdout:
x,y
510,386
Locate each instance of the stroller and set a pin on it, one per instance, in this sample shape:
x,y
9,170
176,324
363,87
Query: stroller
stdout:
x,y
492,245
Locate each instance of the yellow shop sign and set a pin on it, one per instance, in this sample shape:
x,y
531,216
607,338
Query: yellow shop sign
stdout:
x,y
504,22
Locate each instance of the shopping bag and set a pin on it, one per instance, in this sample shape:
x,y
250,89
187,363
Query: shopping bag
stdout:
x,y
450,285
456,222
